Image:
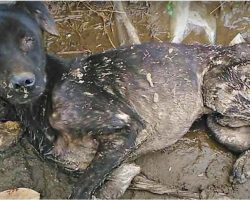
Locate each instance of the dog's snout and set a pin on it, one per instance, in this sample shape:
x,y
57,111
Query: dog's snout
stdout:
x,y
23,79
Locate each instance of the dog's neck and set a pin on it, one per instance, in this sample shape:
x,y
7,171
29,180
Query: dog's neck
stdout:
x,y
55,67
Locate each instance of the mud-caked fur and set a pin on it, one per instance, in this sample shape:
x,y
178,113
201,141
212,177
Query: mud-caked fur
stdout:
x,y
133,99
128,101
143,98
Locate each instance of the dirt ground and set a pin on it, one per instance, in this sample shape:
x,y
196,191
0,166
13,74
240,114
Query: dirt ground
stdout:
x,y
196,163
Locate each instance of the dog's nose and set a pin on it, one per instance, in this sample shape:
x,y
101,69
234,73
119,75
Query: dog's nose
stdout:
x,y
23,79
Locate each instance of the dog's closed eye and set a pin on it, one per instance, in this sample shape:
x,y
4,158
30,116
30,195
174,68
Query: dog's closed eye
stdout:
x,y
26,44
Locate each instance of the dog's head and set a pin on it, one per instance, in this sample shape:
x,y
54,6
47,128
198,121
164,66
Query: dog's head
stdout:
x,y
22,55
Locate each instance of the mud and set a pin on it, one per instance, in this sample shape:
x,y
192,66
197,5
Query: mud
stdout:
x,y
195,163
21,166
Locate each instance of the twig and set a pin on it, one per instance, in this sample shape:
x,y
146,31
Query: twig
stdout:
x,y
159,40
217,8
111,11
72,52
104,24
64,16
68,17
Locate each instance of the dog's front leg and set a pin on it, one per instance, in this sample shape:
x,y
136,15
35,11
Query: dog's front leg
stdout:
x,y
112,150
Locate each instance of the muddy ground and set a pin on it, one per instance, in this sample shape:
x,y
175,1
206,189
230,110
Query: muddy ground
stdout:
x,y
196,163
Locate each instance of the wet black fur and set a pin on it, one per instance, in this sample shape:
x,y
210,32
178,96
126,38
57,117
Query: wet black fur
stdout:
x,y
34,115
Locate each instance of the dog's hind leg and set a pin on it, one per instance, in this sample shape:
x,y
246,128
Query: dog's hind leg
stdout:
x,y
112,150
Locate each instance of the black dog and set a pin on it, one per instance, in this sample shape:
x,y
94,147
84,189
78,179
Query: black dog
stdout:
x,y
116,96
23,59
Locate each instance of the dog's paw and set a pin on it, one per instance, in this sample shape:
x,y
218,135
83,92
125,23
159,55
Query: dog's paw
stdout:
x,y
241,169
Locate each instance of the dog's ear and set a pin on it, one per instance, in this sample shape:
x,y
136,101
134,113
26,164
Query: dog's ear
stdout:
x,y
41,14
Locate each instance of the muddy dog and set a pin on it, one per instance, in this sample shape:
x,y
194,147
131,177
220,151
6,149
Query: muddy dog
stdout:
x,y
145,97
130,100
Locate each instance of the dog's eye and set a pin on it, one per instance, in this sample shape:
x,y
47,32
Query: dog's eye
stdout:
x,y
27,43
